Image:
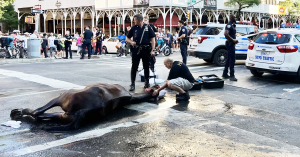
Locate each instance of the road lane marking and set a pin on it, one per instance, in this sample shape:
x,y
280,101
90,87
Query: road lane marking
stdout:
x,y
79,137
14,132
34,93
291,90
41,80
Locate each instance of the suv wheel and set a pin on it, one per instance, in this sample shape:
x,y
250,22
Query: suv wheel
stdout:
x,y
105,50
297,79
256,73
208,60
220,57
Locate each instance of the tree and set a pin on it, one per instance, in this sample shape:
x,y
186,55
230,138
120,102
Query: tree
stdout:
x,y
4,3
242,4
9,17
292,6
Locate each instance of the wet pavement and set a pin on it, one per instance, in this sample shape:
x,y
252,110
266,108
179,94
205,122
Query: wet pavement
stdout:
x,y
251,117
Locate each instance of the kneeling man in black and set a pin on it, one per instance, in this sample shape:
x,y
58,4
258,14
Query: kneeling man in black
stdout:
x,y
180,79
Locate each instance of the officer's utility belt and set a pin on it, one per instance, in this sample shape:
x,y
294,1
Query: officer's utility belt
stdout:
x,y
86,39
183,41
143,46
143,49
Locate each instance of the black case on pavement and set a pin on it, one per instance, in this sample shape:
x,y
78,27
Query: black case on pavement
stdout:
x,y
197,85
215,82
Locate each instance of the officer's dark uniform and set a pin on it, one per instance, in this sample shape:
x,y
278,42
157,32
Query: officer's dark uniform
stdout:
x,y
145,51
68,46
99,42
183,43
231,50
44,46
152,58
87,43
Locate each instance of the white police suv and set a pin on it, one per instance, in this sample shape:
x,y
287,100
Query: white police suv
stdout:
x,y
275,52
208,43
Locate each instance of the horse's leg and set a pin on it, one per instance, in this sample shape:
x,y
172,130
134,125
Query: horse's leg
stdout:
x,y
74,124
18,113
41,110
51,116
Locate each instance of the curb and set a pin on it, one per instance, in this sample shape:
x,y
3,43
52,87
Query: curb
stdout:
x,y
44,60
20,61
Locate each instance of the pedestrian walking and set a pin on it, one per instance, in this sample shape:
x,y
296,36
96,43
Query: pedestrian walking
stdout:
x,y
87,41
68,44
94,42
60,47
143,46
45,45
51,44
182,39
160,39
79,44
230,35
99,36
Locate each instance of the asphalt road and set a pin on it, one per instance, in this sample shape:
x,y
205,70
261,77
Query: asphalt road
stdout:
x,y
251,117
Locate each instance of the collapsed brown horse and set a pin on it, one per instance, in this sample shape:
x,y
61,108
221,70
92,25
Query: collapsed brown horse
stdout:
x,y
93,102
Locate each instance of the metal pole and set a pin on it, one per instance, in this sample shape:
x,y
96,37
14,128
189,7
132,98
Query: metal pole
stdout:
x,y
103,22
54,25
109,19
123,19
45,24
66,24
115,25
171,15
62,27
71,30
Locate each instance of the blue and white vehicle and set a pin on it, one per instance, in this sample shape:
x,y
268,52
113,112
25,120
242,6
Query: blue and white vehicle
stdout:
x,y
276,52
208,43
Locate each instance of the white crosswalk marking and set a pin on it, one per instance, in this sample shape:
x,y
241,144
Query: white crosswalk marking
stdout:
x,y
126,63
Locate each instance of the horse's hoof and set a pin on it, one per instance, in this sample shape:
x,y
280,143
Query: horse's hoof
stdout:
x,y
16,114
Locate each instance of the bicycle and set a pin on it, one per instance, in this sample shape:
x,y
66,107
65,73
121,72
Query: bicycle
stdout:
x,y
165,49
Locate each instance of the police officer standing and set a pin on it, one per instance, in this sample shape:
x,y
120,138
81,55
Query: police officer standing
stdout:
x,y
230,35
183,40
87,42
143,46
68,44
99,36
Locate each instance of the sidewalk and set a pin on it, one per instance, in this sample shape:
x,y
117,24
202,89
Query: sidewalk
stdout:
x,y
41,60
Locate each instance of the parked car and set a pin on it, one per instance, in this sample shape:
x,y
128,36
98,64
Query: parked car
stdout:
x,y
109,45
208,43
275,52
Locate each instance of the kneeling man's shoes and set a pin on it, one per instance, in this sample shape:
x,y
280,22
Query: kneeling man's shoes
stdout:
x,y
225,76
232,78
183,97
